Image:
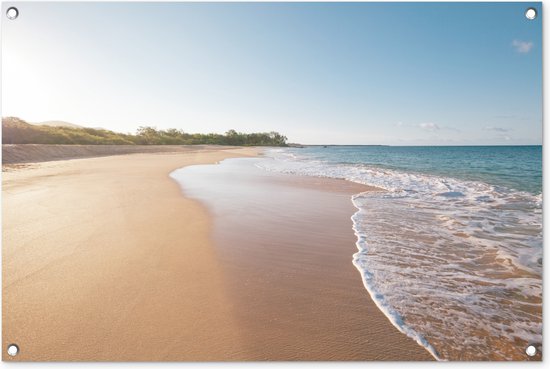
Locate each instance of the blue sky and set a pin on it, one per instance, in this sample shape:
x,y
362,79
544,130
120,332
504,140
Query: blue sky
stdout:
x,y
393,73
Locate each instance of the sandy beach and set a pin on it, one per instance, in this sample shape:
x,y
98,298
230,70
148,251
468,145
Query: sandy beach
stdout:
x,y
105,259
14,155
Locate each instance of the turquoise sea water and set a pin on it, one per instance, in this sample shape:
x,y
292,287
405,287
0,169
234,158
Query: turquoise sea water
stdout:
x,y
515,167
450,249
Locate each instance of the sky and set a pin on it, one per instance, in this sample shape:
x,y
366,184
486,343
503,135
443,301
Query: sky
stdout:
x,y
348,73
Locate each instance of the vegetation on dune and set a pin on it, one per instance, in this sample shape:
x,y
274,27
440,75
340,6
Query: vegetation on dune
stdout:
x,y
17,131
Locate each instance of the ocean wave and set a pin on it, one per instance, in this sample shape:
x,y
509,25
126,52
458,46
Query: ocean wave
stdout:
x,y
454,264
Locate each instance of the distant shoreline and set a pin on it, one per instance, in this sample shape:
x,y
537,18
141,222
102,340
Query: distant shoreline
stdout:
x,y
36,153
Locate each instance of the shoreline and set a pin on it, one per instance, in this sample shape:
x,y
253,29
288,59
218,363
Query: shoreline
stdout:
x,y
123,219
392,316
426,260
286,252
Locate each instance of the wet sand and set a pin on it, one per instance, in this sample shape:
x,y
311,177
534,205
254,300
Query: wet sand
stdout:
x,y
287,243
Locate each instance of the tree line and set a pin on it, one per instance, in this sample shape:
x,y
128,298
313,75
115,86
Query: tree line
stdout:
x,y
17,131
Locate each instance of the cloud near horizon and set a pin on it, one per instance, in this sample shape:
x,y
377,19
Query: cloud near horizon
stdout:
x,y
522,47
429,126
497,129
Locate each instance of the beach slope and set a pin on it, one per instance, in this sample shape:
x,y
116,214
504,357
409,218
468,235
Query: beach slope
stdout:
x,y
105,259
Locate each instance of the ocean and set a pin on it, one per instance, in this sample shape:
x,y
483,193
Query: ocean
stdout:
x,y
450,248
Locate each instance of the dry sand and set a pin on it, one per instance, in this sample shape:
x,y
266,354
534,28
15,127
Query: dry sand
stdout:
x,y
104,259
31,153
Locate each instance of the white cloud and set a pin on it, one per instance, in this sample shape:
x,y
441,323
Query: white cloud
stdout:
x,y
501,133
522,47
429,126
496,129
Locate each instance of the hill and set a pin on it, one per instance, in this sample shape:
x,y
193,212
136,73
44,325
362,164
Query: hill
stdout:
x,y
57,123
17,131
